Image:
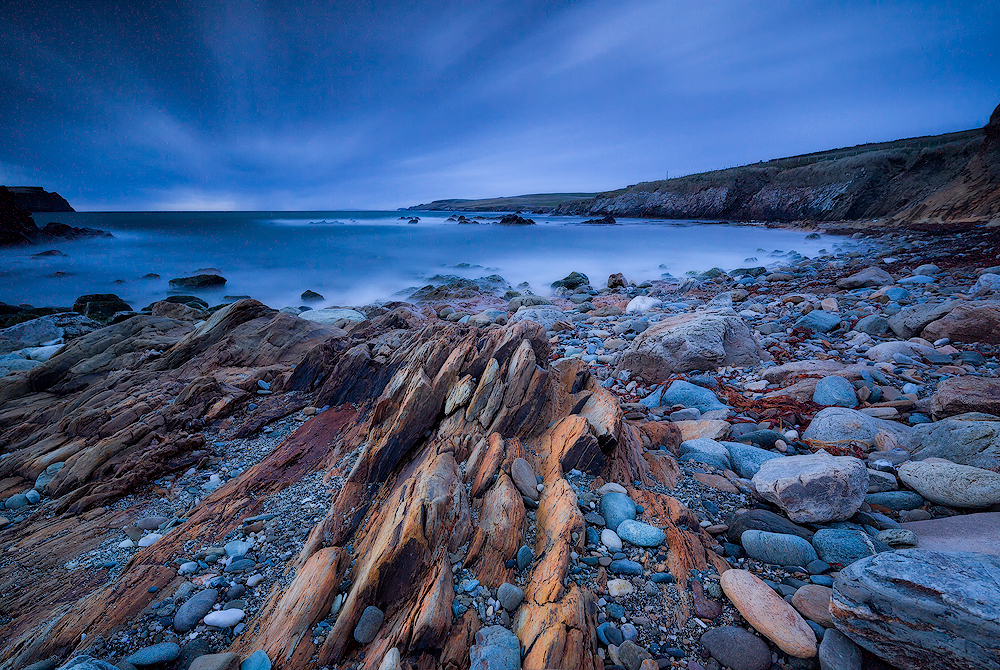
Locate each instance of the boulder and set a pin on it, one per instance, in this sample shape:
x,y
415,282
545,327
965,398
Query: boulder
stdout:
x,y
837,652
912,319
769,614
952,484
975,443
977,321
815,488
747,460
697,341
100,306
331,315
777,548
843,425
842,546
834,391
920,609
198,281
870,276
885,351
496,648
545,316
737,648
684,393
958,395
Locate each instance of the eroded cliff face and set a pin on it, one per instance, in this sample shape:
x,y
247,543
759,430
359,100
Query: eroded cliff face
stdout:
x,y
869,185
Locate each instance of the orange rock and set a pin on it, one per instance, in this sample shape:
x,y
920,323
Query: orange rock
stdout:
x,y
813,602
499,534
767,612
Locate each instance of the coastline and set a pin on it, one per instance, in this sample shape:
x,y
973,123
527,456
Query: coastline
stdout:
x,y
275,461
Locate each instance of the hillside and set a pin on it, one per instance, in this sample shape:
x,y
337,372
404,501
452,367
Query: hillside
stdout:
x,y
536,202
951,179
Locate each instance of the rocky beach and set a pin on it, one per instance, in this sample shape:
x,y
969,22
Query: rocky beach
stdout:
x,y
786,467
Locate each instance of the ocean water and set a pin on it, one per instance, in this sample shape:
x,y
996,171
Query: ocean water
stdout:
x,y
356,258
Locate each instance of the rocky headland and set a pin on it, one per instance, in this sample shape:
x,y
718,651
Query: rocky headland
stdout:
x,y
18,227
947,181
762,468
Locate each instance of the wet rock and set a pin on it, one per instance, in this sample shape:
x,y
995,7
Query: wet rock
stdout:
x,y
814,488
198,281
496,648
100,306
697,341
163,652
952,484
769,614
737,648
921,609
777,548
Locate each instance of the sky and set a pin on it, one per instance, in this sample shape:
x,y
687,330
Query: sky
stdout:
x,y
363,104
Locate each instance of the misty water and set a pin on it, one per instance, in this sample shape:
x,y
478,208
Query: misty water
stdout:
x,y
356,258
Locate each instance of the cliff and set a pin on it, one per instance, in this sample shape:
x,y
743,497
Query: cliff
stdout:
x,y
536,202
37,199
17,227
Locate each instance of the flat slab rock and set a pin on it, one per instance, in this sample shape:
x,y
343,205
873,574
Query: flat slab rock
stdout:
x,y
965,532
920,609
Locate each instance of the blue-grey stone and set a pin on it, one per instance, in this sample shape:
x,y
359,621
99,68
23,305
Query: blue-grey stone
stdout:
x,y
705,450
615,611
496,648
256,661
608,633
640,534
615,508
843,547
822,580
747,460
896,500
835,391
16,501
896,294
777,548
662,578
623,566
510,596
157,653
240,565
593,536
873,324
819,321
687,394
238,548
190,613
368,625
525,555
85,662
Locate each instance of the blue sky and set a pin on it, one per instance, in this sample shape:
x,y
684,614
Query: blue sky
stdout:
x,y
367,105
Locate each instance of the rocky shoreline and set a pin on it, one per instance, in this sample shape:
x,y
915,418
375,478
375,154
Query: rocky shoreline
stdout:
x,y
761,468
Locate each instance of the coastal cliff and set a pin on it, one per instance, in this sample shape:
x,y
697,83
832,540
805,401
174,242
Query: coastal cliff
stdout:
x,y
37,199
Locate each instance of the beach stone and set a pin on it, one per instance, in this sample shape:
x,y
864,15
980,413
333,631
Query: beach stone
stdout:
x,y
191,612
777,548
869,277
240,565
520,301
975,443
632,655
610,539
525,556
510,596
81,662
332,315
910,320
897,538
896,500
813,602
694,341
837,652
958,395
706,451
873,324
225,618
642,303
163,652
765,520
640,534
368,625
879,481
607,632
815,488
620,587
818,321
256,661
623,566
975,321
151,522
495,648
769,614
545,316
687,394
223,661
524,478
886,352
834,390
979,532
951,484
842,424
148,540
843,547
615,508
747,460
238,548
921,609
737,648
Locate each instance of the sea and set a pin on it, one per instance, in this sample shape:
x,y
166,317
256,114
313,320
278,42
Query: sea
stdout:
x,y
364,257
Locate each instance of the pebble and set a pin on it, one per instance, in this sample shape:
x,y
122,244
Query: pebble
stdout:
x,y
620,587
191,612
163,652
737,648
224,618
610,539
615,508
640,534
524,557
148,540
257,661
368,625
510,596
